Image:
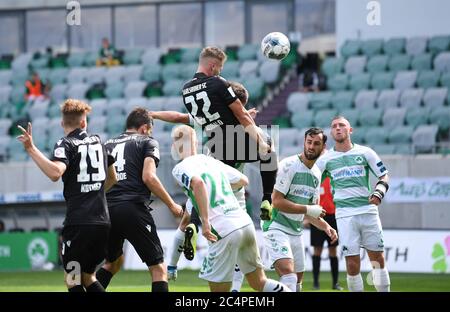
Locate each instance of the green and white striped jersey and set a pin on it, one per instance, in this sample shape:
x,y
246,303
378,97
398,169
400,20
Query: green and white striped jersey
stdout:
x,y
349,173
300,185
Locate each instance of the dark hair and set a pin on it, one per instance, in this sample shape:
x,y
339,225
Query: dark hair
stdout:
x,y
316,131
138,117
240,91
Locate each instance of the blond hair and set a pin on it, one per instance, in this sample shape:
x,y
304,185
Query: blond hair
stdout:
x,y
213,52
73,111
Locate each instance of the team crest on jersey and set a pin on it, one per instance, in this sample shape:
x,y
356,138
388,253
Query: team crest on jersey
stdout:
x,y
359,159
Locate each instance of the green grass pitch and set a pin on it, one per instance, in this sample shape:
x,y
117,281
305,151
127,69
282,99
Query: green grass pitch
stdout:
x,y
188,281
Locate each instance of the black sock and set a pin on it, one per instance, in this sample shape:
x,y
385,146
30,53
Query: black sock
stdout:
x,y
160,286
103,277
78,288
316,269
268,181
334,264
95,287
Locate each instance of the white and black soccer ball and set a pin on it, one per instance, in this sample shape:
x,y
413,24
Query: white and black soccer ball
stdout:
x,y
275,45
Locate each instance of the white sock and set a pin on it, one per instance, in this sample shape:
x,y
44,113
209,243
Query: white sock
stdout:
x,y
238,279
355,283
381,280
299,287
177,247
290,280
274,286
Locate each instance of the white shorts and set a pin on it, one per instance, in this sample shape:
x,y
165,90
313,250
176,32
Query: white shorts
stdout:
x,y
358,231
239,247
284,246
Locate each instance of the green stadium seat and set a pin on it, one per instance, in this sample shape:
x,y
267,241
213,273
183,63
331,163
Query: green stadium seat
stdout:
x,y
230,69
435,97
355,64
171,57
90,59
132,56
370,117
417,116
394,116
303,119
411,98
376,135
394,46
377,63
351,47
19,77
76,59
114,90
381,81
247,52
384,149
151,73
190,55
297,101
388,98
39,62
428,79
403,149
320,100
343,100
58,76
359,81
399,62
445,80
323,117
173,87
171,71
439,44
338,82
188,70
416,45
422,62
372,47
401,134
440,116
358,135
256,89
352,115
332,66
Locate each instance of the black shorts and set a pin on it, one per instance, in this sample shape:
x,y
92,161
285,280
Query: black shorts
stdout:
x,y
133,221
84,244
318,237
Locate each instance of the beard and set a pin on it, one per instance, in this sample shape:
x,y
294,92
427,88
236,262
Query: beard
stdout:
x,y
311,156
342,139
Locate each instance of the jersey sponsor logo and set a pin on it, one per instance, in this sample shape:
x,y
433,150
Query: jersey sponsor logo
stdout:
x,y
86,188
302,191
185,180
60,152
348,172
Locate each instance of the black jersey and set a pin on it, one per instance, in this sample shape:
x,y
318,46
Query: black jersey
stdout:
x,y
207,100
87,164
129,151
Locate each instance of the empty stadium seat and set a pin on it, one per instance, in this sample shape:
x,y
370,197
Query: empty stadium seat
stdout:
x,y
352,115
355,65
417,116
269,71
77,75
442,62
58,76
248,69
358,134
428,79
388,98
114,90
338,82
435,97
351,47
132,56
439,44
332,66
343,99
366,99
323,117
188,70
422,62
416,45
5,77
411,98
297,102
173,87
384,149
114,74
151,56
320,100
370,117
230,69
399,62
151,73
382,81
247,52
302,119
394,46
401,134
377,63
359,81
95,75
424,138
372,47
440,116
76,59
99,106
133,73
134,89
445,80
394,117
77,90
375,135
405,80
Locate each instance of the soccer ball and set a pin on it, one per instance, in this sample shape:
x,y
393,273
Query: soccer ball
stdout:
x,y
275,46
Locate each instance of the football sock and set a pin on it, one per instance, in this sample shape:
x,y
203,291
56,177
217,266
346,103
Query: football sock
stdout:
x,y
274,286
95,287
268,181
290,280
355,283
78,288
160,286
238,279
177,248
381,280
299,287
103,277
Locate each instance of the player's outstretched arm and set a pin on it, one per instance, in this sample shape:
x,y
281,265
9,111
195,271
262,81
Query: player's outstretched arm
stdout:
x,y
281,203
52,169
171,116
323,225
246,120
111,179
201,196
153,183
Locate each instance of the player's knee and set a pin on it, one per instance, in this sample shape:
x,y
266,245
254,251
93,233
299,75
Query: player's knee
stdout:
x,y
256,279
114,266
353,265
317,251
158,272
